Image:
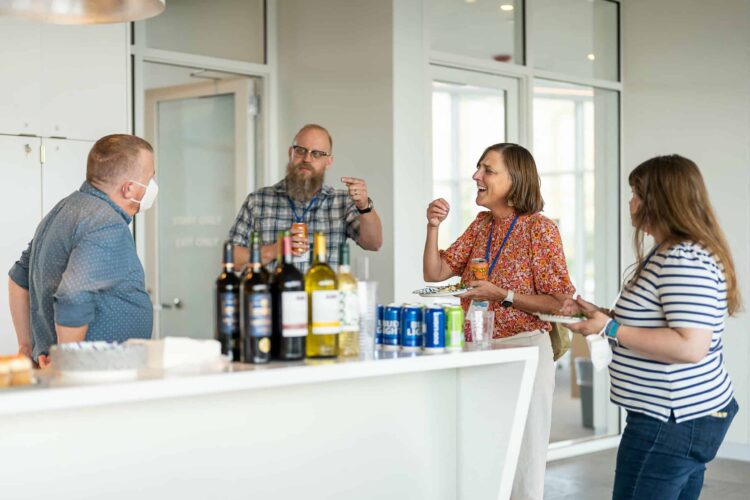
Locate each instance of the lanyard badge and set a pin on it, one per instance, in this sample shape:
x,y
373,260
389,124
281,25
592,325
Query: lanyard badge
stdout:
x,y
483,305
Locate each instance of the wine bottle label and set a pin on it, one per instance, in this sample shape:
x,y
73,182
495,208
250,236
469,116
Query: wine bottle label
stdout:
x,y
258,314
264,345
229,313
301,259
349,312
293,314
325,312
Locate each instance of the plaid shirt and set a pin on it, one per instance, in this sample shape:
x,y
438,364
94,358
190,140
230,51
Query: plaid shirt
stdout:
x,y
268,211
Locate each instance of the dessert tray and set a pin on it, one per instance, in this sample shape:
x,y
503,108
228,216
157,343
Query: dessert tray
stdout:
x,y
92,362
442,291
556,318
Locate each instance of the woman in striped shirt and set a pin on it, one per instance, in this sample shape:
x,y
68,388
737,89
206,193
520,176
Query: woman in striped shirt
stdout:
x,y
666,330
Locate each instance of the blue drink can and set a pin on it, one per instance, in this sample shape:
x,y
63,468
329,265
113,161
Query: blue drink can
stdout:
x,y
391,322
380,311
434,336
411,327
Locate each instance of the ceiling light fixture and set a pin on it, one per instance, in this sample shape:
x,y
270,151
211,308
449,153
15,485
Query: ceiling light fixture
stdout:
x,y
591,57
506,7
82,11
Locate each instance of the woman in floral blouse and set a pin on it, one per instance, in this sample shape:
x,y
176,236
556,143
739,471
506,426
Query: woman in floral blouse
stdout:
x,y
527,274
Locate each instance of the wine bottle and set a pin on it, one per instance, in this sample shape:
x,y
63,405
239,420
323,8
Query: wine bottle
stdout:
x,y
289,305
349,335
323,304
256,308
227,312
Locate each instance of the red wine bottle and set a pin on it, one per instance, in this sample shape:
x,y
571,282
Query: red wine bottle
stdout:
x,y
227,312
289,304
256,308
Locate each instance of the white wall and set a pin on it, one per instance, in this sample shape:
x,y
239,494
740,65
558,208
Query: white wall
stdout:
x,y
412,179
686,72
335,69
230,29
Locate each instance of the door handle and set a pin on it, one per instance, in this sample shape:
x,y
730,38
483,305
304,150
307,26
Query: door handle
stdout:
x,y
176,304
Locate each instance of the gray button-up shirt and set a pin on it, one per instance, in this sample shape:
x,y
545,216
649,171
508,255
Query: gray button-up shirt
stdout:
x,y
81,268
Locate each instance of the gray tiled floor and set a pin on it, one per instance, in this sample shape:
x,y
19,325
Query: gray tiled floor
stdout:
x,y
590,477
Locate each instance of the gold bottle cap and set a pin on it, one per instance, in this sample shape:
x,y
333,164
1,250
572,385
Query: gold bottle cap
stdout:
x,y
320,244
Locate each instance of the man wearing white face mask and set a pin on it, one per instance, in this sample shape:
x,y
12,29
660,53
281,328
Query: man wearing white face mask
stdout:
x,y
80,278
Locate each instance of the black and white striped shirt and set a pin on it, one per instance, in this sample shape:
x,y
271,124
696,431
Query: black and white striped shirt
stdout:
x,y
682,287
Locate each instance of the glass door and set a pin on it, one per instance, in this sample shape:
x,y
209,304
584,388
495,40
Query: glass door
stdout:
x,y
470,111
202,135
576,149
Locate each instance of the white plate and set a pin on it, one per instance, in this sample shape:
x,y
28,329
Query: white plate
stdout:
x,y
553,318
437,291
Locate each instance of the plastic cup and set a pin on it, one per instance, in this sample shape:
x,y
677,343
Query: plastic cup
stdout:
x,y
367,294
482,326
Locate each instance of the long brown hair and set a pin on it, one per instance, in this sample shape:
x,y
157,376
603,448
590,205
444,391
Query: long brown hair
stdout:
x,y
525,191
674,202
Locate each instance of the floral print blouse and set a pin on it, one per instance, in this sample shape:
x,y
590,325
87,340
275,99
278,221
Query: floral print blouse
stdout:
x,y
531,263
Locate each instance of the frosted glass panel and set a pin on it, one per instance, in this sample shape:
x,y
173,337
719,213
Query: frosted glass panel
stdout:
x,y
485,29
195,169
229,29
577,37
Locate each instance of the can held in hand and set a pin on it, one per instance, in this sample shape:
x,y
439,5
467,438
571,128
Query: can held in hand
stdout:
x,y
380,311
391,322
454,328
411,327
479,269
300,227
434,336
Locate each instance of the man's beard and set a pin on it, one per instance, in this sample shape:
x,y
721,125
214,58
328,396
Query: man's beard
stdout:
x,y
299,185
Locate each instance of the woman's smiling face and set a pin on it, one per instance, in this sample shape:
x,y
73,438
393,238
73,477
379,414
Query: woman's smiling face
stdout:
x,y
493,181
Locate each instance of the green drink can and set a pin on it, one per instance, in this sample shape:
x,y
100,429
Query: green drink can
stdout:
x,y
454,328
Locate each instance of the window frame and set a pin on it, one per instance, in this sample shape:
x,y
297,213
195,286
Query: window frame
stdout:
x,y
526,74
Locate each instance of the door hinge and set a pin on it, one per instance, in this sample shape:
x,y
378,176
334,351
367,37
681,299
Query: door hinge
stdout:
x,y
253,105
42,155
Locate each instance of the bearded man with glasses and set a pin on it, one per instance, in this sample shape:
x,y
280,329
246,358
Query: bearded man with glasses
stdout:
x,y
302,203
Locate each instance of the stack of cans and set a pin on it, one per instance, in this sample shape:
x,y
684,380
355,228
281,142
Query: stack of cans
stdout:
x,y
411,327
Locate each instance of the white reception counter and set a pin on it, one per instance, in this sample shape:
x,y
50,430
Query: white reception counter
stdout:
x,y
423,426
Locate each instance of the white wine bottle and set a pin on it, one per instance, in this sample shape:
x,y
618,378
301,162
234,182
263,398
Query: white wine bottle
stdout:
x,y
349,336
323,306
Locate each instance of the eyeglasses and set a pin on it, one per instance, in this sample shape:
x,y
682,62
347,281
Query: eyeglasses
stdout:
x,y
300,151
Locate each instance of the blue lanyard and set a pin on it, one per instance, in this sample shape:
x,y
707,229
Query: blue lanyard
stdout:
x,y
307,208
502,245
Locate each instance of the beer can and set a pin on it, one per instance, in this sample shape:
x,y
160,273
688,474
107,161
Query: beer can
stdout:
x,y
479,269
300,227
434,337
304,257
380,311
454,328
411,327
391,321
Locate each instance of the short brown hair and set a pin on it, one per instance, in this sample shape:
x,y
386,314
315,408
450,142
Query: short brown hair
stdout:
x,y
525,191
315,126
114,157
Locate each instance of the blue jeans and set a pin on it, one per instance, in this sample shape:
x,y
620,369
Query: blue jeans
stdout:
x,y
666,460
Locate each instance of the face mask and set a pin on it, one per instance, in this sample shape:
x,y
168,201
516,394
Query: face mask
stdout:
x,y
152,189
601,352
